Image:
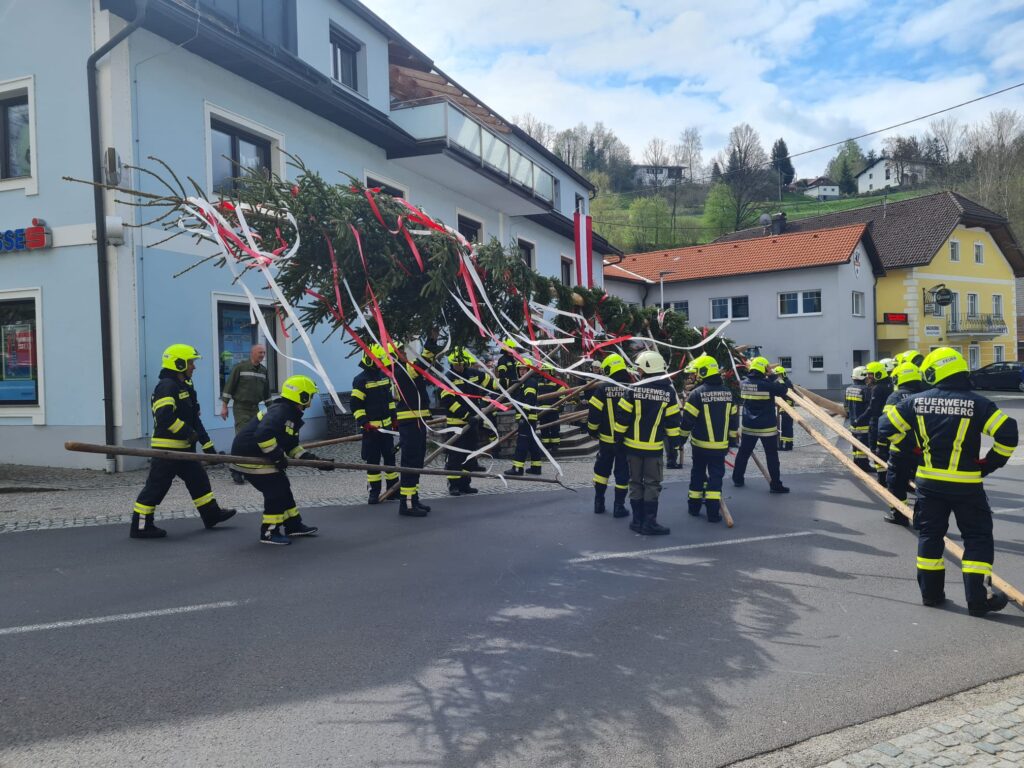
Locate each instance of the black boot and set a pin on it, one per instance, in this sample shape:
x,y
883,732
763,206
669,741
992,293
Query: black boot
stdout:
x,y
273,534
294,526
693,507
896,518
778,487
619,508
213,514
599,508
465,487
416,504
236,476
514,471
374,494
534,469
144,528
637,523
995,602
651,526
406,508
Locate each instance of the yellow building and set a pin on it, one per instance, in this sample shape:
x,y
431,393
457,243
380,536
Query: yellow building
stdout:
x,y
950,266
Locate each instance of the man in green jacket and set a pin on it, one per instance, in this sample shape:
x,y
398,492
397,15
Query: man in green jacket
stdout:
x,y
248,385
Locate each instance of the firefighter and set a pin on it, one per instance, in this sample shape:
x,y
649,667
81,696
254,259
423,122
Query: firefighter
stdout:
x,y
947,421
550,436
858,394
472,382
373,408
785,420
646,416
505,370
611,453
758,394
673,451
881,388
275,435
902,452
177,426
709,421
528,455
413,409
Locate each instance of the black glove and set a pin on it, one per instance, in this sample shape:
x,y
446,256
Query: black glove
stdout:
x,y
281,462
308,456
193,437
210,450
985,467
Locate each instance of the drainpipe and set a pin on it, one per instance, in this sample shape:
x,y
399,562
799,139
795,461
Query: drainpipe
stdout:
x,y
99,203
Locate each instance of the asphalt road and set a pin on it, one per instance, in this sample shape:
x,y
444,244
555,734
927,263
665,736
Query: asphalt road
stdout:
x,y
500,631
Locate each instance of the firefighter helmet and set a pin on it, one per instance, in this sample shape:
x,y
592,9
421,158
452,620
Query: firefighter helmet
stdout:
x,y
906,372
779,370
613,363
860,373
703,367
177,357
460,356
913,356
876,369
941,364
650,361
759,364
511,343
299,389
377,351
525,362
889,363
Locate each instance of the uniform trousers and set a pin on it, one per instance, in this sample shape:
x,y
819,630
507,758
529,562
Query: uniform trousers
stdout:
x,y
550,436
611,457
378,448
412,441
974,519
646,471
706,480
243,413
859,457
162,473
468,441
785,431
526,446
278,502
748,442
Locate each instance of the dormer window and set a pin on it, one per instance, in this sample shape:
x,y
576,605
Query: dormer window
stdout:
x,y
345,59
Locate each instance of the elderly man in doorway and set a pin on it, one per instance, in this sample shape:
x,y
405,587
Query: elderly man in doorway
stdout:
x,y
248,385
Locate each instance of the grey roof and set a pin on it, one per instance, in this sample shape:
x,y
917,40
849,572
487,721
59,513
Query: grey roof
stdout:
x,y
909,233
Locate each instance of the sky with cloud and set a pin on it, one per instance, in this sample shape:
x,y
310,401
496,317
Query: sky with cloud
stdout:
x,y
811,71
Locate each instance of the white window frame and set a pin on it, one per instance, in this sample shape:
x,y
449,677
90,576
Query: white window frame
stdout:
x,y
368,174
799,303
213,112
17,87
35,412
786,362
973,299
974,357
979,252
997,299
954,250
854,302
810,364
532,245
284,363
998,353
475,217
362,80
563,260
711,311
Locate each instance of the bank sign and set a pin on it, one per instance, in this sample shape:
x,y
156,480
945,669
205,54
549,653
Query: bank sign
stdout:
x,y
30,238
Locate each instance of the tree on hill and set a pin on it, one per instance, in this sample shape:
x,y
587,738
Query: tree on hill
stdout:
x,y
847,182
650,222
902,152
716,172
718,211
688,152
851,152
781,163
747,175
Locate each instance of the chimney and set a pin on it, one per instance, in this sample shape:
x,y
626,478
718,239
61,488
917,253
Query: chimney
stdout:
x,y
779,223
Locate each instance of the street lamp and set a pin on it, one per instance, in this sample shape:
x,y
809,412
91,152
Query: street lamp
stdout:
x,y
661,287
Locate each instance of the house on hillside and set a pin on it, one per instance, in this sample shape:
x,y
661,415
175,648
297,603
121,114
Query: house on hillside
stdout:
x,y
211,87
930,245
805,299
885,173
822,188
657,175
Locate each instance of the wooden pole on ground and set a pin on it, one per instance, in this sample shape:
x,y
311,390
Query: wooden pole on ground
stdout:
x,y
872,485
725,514
831,406
840,430
568,418
220,458
359,436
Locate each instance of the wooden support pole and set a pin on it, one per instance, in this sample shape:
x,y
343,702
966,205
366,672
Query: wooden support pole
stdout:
x,y
844,433
567,419
220,458
836,409
438,422
872,485
729,523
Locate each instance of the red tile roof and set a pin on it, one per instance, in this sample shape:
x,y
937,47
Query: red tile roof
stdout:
x,y
772,253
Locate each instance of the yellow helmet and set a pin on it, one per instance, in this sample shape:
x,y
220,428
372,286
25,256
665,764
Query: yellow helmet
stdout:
x,y
650,361
759,364
511,343
460,356
906,372
877,370
525,362
378,352
941,364
703,367
177,357
613,363
299,389
779,370
913,356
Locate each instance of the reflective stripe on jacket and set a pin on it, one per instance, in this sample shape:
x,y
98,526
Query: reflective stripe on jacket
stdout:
x,y
176,414
601,413
646,415
270,435
372,399
758,395
709,416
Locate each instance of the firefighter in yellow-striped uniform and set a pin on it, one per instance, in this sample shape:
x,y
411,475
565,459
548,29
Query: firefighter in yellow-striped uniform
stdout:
x,y
709,421
902,452
947,422
528,457
611,453
274,435
758,394
374,409
550,436
177,426
858,395
785,420
471,380
413,400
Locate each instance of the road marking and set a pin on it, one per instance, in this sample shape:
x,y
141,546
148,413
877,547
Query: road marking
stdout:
x,y
118,617
680,548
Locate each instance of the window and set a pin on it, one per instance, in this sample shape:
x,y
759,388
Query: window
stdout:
x,y
796,303
972,305
817,363
974,357
861,356
385,187
954,250
733,308
471,229
16,161
786,362
237,333
888,173
682,307
235,154
871,175
527,251
567,271
19,352
979,253
858,304
997,305
345,59
998,353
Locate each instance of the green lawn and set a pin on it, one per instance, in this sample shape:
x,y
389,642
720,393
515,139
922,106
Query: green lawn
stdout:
x,y
798,206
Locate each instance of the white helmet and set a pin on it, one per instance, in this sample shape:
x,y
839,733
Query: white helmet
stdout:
x,y
650,361
860,373
889,363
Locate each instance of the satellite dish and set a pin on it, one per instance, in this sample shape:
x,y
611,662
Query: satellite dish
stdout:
x,y
765,220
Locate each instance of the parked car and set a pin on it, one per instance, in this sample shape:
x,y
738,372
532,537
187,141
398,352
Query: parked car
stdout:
x,y
1009,375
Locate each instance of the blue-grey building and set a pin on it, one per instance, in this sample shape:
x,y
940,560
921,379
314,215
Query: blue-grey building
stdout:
x,y
194,82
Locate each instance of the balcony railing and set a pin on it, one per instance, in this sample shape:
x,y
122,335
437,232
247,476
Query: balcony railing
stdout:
x,y
976,325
